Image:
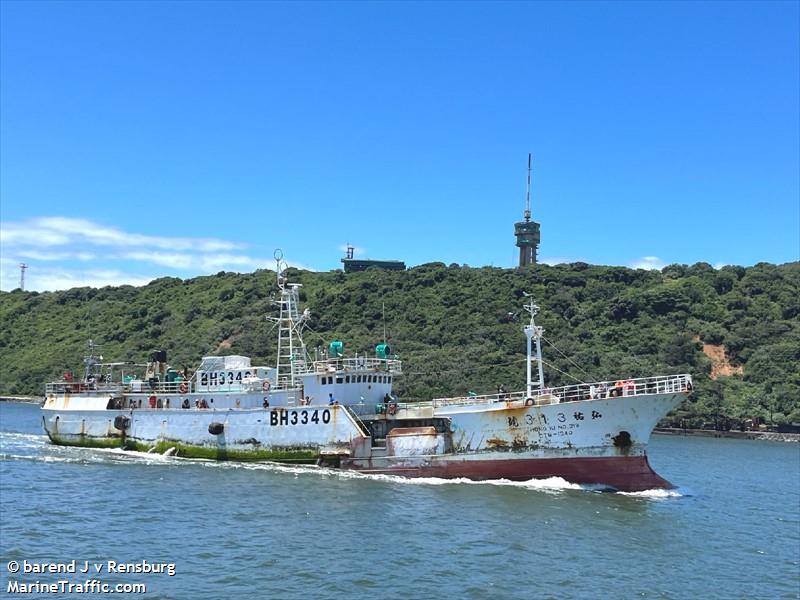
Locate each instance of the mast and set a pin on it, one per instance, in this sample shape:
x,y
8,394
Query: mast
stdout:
x,y
532,331
291,360
91,362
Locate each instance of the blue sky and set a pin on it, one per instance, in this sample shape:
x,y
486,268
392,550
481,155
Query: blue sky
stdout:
x,y
149,139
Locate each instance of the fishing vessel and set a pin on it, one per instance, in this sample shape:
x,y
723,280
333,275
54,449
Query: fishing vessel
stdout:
x,y
340,411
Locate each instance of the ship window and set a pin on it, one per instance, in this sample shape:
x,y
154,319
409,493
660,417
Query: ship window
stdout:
x,y
390,380
339,379
347,379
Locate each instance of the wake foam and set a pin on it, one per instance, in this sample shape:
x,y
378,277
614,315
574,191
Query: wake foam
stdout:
x,y
21,440
550,484
657,494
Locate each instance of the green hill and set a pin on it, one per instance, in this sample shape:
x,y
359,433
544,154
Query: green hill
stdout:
x,y
456,328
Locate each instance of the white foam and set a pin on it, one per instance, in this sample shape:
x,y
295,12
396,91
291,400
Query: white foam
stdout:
x,y
655,494
37,458
33,437
143,457
10,439
551,484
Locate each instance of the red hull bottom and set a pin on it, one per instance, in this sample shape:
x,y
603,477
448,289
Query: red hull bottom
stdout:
x,y
624,473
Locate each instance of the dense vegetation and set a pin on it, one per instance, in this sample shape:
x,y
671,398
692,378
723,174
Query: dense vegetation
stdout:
x,y
457,328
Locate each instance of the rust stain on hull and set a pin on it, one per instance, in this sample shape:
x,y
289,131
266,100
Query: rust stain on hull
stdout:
x,y
497,444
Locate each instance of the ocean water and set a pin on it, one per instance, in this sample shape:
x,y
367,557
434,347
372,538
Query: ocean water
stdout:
x,y
731,529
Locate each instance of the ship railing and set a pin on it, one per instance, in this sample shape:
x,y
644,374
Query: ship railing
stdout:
x,y
167,387
137,387
60,387
668,384
331,365
187,387
158,387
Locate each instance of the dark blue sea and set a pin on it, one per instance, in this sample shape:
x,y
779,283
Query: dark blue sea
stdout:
x,y
230,530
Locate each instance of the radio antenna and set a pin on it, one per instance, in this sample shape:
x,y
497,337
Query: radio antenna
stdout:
x,y
528,192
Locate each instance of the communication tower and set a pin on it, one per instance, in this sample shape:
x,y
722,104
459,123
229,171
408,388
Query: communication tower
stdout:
x,y
527,231
22,267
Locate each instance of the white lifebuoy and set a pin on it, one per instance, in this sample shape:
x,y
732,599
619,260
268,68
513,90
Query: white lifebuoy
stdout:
x,y
266,385
528,401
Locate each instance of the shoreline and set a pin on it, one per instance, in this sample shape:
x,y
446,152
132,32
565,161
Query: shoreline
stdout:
x,y
769,436
25,399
